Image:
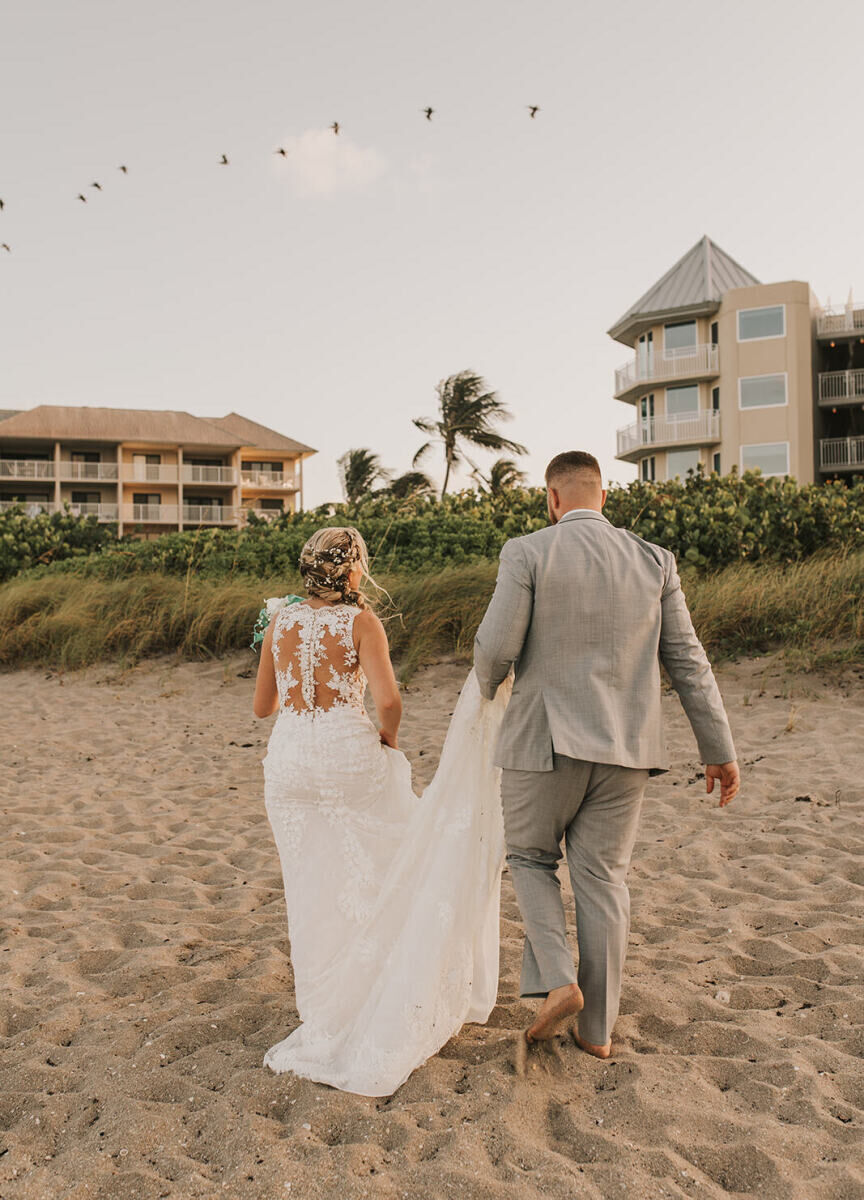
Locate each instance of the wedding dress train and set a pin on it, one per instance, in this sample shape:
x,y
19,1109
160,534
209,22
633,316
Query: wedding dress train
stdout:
x,y
392,899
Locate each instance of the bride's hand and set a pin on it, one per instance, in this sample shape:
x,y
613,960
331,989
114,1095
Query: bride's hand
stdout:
x,y
388,739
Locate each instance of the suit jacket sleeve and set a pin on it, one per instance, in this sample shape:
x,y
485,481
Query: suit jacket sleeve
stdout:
x,y
684,658
502,631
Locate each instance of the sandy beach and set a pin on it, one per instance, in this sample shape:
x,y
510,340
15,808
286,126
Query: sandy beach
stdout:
x,y
146,968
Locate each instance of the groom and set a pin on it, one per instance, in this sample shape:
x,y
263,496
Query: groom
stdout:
x,y
587,612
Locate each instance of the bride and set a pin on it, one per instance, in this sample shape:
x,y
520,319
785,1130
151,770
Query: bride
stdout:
x,y
392,899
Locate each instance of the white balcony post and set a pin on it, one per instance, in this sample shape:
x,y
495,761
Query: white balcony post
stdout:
x,y
57,475
180,499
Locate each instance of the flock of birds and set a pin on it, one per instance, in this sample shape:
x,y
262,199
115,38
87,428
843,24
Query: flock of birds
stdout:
x,y
533,110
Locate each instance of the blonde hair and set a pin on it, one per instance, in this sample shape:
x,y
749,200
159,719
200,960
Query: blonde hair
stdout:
x,y
327,560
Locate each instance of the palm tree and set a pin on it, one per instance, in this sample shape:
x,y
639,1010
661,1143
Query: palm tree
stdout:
x,y
503,475
412,483
358,471
466,412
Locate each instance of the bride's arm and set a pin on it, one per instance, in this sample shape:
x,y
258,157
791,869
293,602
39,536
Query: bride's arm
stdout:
x,y
374,654
266,699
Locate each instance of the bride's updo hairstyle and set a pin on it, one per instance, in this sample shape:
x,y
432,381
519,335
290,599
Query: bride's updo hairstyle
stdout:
x,y
327,560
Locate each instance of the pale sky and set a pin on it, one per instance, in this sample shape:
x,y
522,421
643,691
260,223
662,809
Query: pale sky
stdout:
x,y
326,293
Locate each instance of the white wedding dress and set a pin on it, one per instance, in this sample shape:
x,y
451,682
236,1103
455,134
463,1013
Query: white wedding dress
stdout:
x,y
392,899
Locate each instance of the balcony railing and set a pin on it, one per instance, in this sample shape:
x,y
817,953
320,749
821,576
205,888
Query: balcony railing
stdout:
x,y
89,470
841,453
266,514
687,362
102,512
700,429
192,473
840,320
151,472
841,387
151,514
269,479
26,468
209,514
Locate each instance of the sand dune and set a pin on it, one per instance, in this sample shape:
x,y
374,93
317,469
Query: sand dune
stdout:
x,y
146,969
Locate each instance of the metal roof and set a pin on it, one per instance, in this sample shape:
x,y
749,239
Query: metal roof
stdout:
x,y
696,281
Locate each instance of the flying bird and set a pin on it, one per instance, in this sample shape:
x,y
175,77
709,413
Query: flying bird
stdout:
x,y
80,197
223,161
97,185
335,126
533,110
123,169
284,153
1,204
428,112
5,247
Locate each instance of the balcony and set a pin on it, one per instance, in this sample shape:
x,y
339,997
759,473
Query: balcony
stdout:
x,y
283,480
265,514
151,472
209,514
841,454
840,321
684,429
89,470
26,468
151,514
841,387
191,473
678,366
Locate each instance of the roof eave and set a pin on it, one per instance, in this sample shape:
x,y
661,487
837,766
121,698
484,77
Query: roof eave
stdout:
x,y
628,328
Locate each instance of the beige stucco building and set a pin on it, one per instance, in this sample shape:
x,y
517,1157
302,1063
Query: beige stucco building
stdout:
x,y
148,471
730,371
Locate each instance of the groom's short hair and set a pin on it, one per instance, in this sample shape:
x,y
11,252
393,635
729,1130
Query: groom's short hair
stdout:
x,y
572,462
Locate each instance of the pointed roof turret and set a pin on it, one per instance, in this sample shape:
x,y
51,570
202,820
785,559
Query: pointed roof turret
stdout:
x,y
694,286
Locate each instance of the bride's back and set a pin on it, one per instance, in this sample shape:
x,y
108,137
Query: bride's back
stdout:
x,y
315,658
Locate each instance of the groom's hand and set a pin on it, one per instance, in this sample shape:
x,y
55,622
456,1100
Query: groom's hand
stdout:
x,y
729,776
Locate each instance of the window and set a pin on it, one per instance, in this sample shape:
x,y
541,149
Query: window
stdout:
x,y
716,464
261,466
757,323
204,462
86,497
772,458
678,462
715,333
682,400
679,335
146,498
85,456
761,391
646,469
715,399
272,505
203,501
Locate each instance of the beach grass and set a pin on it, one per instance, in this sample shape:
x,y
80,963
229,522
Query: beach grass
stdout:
x,y
814,610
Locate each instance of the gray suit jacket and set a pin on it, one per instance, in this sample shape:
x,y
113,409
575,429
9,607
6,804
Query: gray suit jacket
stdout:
x,y
587,612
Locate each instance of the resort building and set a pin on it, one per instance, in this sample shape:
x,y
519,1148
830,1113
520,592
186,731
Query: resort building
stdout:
x,y
727,370
149,472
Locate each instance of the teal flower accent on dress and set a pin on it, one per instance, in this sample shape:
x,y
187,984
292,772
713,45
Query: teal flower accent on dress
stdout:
x,y
265,616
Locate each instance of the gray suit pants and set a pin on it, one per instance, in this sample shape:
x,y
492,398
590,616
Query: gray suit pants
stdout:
x,y
595,808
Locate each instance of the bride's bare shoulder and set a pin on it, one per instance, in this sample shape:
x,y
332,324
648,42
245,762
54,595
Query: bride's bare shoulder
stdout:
x,y
367,624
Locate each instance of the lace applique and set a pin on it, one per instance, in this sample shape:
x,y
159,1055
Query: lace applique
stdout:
x,y
322,641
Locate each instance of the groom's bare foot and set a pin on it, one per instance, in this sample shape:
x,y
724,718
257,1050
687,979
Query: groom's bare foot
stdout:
x,y
560,1003
589,1047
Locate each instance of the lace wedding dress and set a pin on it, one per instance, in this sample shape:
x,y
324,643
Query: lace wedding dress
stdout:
x,y
392,899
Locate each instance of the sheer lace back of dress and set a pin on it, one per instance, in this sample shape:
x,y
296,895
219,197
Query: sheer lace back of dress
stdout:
x,y
317,668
